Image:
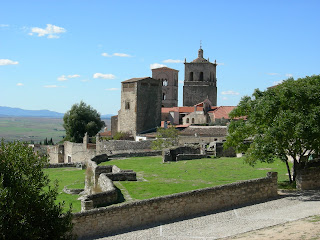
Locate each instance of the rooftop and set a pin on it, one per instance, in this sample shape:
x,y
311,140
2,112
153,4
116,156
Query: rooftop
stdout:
x,y
135,79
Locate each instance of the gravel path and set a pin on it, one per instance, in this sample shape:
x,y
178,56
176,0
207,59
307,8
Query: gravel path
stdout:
x,y
288,207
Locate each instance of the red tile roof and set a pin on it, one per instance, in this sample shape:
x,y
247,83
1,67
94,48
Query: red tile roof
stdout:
x,y
223,112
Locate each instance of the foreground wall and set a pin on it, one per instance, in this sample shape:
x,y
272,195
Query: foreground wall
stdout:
x,y
308,178
104,221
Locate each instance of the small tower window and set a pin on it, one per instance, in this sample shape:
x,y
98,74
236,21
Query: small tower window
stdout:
x,y
187,120
164,97
191,76
127,105
165,82
201,76
192,121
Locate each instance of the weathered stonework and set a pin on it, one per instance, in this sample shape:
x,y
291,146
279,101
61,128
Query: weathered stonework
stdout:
x,y
140,105
200,81
105,221
169,80
308,177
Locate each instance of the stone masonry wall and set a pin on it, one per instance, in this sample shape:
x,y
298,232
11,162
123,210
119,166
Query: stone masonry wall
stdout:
x,y
104,221
122,146
308,178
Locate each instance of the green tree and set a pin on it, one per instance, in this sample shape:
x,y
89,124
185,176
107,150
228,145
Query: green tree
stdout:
x,y
281,122
45,142
81,118
166,137
27,199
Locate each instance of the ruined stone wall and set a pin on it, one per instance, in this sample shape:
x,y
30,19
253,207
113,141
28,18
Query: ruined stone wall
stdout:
x,y
76,152
308,178
199,139
122,146
114,125
104,221
56,153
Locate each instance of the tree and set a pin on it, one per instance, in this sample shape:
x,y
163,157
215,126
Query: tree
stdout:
x,y
166,137
81,118
27,199
281,122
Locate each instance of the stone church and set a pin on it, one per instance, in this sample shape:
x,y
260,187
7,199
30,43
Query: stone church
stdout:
x,y
143,98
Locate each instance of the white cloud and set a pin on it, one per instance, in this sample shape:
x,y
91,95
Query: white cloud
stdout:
x,y
180,81
4,25
112,89
156,65
50,86
289,75
106,55
104,76
172,61
121,55
85,80
7,62
115,55
221,64
74,76
224,98
273,74
230,92
51,31
20,84
62,78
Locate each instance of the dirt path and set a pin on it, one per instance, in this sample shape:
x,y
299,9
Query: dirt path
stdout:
x,y
307,228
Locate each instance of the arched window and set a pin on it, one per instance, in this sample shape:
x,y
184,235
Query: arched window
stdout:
x,y
192,121
127,105
164,96
191,76
187,120
165,82
201,76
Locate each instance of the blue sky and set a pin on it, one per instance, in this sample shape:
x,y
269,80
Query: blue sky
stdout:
x,y
55,53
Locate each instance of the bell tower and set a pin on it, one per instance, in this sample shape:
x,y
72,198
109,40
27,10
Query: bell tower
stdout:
x,y
200,81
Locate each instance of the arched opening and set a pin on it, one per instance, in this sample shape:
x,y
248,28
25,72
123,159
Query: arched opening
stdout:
x,y
165,82
191,76
127,105
164,96
187,120
192,121
201,76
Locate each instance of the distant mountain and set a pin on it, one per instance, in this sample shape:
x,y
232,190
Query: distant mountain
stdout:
x,y
18,112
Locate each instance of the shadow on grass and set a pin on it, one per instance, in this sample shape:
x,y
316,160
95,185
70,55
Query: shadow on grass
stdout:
x,y
287,185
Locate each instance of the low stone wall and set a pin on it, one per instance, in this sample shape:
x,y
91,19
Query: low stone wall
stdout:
x,y
170,155
120,146
308,178
144,153
104,221
99,187
61,165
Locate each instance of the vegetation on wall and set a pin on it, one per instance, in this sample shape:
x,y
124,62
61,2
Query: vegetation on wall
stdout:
x,y
166,137
282,122
27,200
81,118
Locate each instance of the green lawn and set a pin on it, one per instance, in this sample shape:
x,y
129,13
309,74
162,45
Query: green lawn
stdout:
x,y
158,179
70,177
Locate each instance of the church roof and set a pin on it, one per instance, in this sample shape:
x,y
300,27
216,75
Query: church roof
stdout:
x,y
200,60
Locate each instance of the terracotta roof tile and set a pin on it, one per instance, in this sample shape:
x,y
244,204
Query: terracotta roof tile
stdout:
x,y
205,131
223,112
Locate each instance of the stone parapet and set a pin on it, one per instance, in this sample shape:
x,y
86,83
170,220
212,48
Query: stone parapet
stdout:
x,y
105,221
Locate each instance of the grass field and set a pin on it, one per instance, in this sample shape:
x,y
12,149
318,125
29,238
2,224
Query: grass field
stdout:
x,y
36,129
158,179
70,177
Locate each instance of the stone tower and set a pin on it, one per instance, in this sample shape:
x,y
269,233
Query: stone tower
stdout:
x,y
200,81
169,81
140,105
